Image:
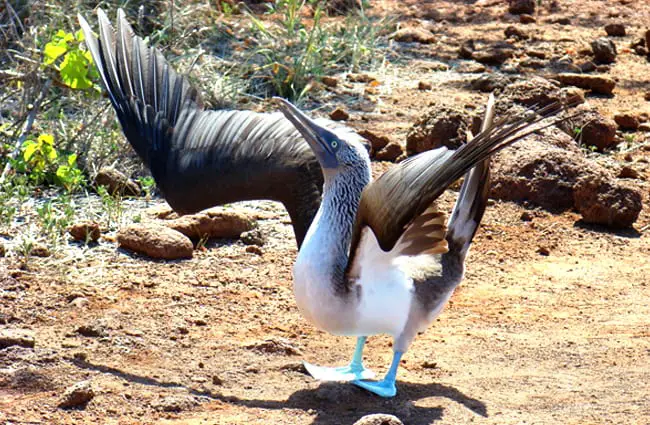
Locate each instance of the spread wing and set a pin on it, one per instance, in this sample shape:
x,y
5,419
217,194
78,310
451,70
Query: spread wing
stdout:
x,y
399,203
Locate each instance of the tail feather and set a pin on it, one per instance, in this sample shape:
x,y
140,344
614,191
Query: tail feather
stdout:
x,y
472,198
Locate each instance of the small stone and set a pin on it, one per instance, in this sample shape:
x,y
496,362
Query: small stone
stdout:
x,y
80,302
646,96
526,216
587,66
19,337
379,419
116,183
615,30
155,241
3,250
493,56
516,33
525,18
627,120
429,365
275,346
489,82
254,249
517,7
604,50
85,231
644,127
77,395
339,114
40,250
628,172
253,237
216,380
175,403
424,85
563,20
466,50
330,81
596,83
543,250
361,78
470,67
92,330
413,35
390,152
539,54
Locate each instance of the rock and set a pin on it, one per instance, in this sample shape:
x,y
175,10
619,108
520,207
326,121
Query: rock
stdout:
x,y
40,250
493,55
627,120
644,127
517,7
628,172
441,125
213,223
470,67
94,329
16,337
646,96
603,201
377,141
77,395
564,20
544,250
604,50
379,419
253,237
413,35
516,33
361,78
592,128
525,18
3,250
85,231
424,85
155,241
532,91
647,40
390,152
466,50
564,64
533,170
339,114
275,346
596,83
489,82
175,403
254,249
615,30
330,81
587,66
533,63
116,183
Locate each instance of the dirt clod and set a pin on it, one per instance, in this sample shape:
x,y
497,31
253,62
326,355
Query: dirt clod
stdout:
x,y
517,7
85,231
330,81
627,120
19,337
603,201
40,250
615,30
525,18
339,114
596,83
116,182
390,152
253,237
155,241
604,50
77,396
411,35
213,223
440,126
516,33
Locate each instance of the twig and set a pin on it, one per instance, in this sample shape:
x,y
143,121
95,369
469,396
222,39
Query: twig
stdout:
x,y
26,129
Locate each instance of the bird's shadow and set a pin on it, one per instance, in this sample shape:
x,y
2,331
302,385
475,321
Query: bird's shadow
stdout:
x,y
330,403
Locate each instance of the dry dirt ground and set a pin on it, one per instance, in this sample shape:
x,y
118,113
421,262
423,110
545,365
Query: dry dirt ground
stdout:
x,y
528,338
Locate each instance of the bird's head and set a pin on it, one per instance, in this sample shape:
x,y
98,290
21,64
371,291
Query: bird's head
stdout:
x,y
337,149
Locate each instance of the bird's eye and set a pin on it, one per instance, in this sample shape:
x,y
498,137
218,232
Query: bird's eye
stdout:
x,y
335,144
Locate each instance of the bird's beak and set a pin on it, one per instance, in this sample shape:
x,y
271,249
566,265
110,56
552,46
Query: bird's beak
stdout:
x,y
319,138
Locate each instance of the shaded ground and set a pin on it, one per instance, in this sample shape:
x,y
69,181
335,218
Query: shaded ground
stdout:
x,y
527,338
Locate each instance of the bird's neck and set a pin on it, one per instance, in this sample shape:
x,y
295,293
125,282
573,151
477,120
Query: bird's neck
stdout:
x,y
328,239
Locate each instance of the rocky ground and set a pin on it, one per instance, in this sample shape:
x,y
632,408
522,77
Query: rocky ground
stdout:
x,y
159,323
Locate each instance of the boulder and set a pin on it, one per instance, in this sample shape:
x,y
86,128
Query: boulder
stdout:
x,y
155,241
602,200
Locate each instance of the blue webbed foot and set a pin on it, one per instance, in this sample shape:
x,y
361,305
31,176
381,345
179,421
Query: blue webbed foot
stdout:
x,y
385,388
346,373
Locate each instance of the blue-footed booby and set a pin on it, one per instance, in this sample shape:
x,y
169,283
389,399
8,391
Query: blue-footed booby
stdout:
x,y
201,158
379,257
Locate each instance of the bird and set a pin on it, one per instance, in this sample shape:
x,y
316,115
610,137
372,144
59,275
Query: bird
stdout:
x,y
380,256
201,158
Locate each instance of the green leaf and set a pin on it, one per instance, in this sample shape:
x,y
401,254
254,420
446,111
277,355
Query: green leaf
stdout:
x,y
29,150
74,70
53,51
79,35
46,139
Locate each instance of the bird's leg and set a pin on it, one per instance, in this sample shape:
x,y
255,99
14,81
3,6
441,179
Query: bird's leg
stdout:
x,y
386,387
354,371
